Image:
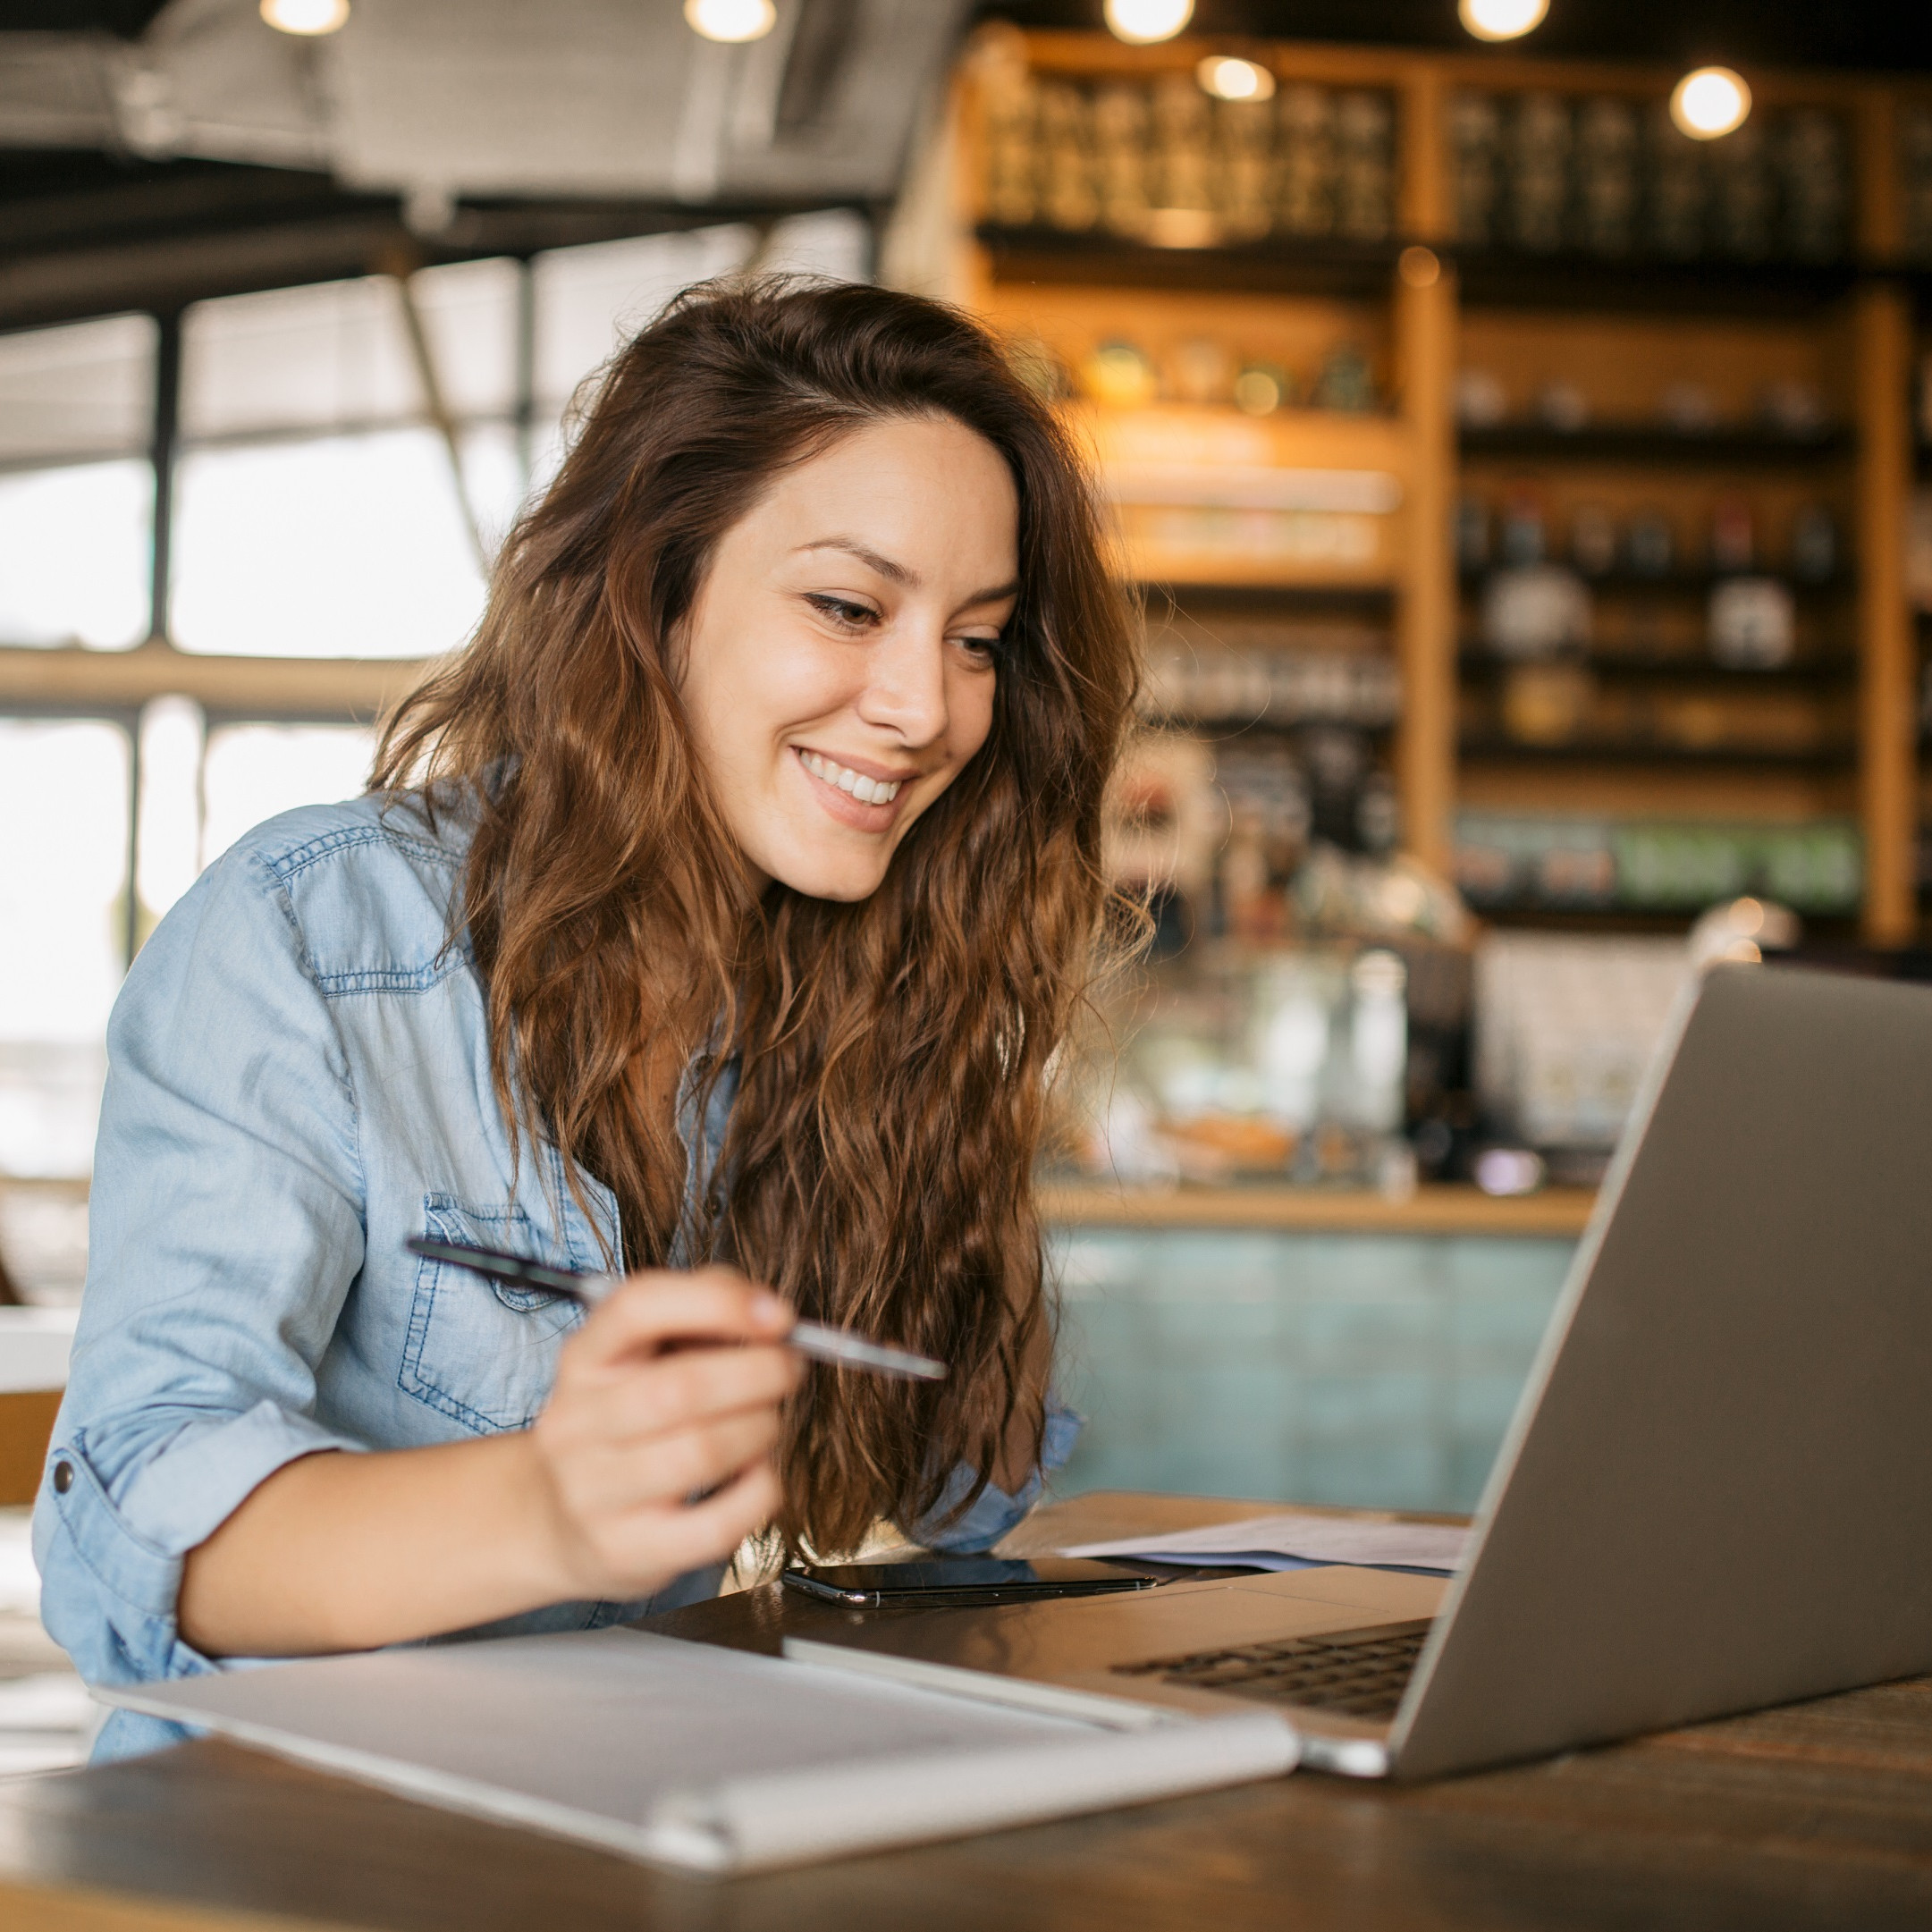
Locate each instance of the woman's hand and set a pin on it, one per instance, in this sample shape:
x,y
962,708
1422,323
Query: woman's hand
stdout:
x,y
653,1453
670,1392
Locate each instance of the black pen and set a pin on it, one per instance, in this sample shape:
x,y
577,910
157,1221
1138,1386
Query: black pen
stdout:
x,y
812,1338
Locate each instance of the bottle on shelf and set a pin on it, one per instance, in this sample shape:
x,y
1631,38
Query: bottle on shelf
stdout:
x,y
1651,544
1733,548
1593,540
1814,545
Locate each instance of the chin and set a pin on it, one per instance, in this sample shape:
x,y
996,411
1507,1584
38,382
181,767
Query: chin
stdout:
x,y
815,875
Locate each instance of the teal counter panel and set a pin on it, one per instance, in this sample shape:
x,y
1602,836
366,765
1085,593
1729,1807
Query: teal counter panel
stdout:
x,y
1370,1370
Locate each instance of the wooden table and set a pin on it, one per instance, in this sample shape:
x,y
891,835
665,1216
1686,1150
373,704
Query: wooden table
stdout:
x,y
1818,1816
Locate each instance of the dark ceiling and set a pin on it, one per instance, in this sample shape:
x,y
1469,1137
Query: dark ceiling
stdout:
x,y
81,231
1744,33
1773,33
126,18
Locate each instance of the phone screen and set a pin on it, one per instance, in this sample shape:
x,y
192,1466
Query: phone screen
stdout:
x,y
988,1579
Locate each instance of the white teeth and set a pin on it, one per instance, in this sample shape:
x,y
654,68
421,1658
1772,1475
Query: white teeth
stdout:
x,y
867,790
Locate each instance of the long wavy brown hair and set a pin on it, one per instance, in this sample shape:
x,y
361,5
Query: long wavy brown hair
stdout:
x,y
891,1055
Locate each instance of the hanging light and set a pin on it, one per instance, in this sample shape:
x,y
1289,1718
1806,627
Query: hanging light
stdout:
x,y
1501,19
730,19
306,17
1230,79
1709,101
1142,22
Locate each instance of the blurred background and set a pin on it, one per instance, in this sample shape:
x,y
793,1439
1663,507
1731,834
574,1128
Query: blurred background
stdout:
x,y
1513,417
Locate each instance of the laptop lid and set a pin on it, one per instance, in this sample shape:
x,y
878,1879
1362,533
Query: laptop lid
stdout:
x,y
1716,1493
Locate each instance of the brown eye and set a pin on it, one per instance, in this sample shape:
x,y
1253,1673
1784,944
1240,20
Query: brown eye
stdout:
x,y
842,611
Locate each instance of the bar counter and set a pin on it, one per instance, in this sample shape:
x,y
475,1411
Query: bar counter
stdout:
x,y
1811,1819
1436,1208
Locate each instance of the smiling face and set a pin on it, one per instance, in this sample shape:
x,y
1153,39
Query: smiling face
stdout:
x,y
838,666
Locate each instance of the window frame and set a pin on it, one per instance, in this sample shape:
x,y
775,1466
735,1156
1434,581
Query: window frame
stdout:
x,y
115,687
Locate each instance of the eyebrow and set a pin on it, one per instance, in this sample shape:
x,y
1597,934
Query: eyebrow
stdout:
x,y
898,573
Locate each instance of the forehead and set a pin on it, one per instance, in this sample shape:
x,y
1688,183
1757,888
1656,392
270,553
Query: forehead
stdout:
x,y
922,490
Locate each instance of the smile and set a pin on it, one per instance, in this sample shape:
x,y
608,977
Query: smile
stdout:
x,y
854,784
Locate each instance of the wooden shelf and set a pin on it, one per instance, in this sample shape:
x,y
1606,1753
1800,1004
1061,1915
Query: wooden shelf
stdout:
x,y
1623,751
1620,920
1636,284
1478,664
1842,327
1338,268
1433,1210
1632,920
1359,270
1300,498
1212,593
1679,583
1723,449
1216,724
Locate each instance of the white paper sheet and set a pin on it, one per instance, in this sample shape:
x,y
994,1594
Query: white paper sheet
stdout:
x,y
690,1755
1294,1540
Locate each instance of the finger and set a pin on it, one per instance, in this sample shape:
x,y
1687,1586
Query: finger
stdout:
x,y
650,1312
668,1470
630,1402
675,1392
699,1533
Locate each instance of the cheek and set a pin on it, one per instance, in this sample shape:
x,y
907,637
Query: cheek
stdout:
x,y
970,706
750,697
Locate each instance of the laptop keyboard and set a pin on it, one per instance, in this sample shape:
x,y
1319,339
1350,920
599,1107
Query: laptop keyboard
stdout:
x,y
1361,1673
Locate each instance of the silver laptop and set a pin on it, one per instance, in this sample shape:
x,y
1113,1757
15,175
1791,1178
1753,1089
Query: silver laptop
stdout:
x,y
1716,1494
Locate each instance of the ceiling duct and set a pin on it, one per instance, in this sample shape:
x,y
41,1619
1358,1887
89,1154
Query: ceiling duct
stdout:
x,y
438,100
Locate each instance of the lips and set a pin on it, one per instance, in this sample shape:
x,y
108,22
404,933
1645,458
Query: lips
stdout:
x,y
867,801
858,784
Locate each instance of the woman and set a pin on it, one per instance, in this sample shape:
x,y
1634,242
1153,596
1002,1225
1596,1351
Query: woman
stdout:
x,y
716,914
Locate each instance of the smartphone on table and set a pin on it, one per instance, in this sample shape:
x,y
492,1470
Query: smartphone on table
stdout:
x,y
956,1582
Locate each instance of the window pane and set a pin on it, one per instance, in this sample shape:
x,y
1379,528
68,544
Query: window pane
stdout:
x,y
255,770
834,241
493,472
64,802
168,845
329,356
345,547
591,299
469,312
88,389
76,555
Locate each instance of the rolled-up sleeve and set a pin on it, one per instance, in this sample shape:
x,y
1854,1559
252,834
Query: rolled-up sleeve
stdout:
x,y
226,1228
995,1511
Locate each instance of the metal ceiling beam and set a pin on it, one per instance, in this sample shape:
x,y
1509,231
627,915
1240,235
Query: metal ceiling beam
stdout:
x,y
59,283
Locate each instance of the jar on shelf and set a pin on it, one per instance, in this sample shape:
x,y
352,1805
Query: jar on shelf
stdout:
x,y
1121,122
1674,189
1476,138
1607,150
1068,196
1304,132
1539,150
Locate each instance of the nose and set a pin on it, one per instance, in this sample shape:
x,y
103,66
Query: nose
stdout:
x,y
906,686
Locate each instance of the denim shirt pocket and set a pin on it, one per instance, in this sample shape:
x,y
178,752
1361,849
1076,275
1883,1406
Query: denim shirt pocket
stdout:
x,y
477,1351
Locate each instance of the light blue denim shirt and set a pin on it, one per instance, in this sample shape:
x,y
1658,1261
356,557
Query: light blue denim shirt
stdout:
x,y
299,1080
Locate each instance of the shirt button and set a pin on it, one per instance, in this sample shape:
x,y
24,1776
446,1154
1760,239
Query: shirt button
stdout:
x,y
63,1478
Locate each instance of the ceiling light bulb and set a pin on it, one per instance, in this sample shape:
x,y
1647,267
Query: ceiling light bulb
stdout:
x,y
1501,19
730,19
1145,21
1230,79
1708,102
309,17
